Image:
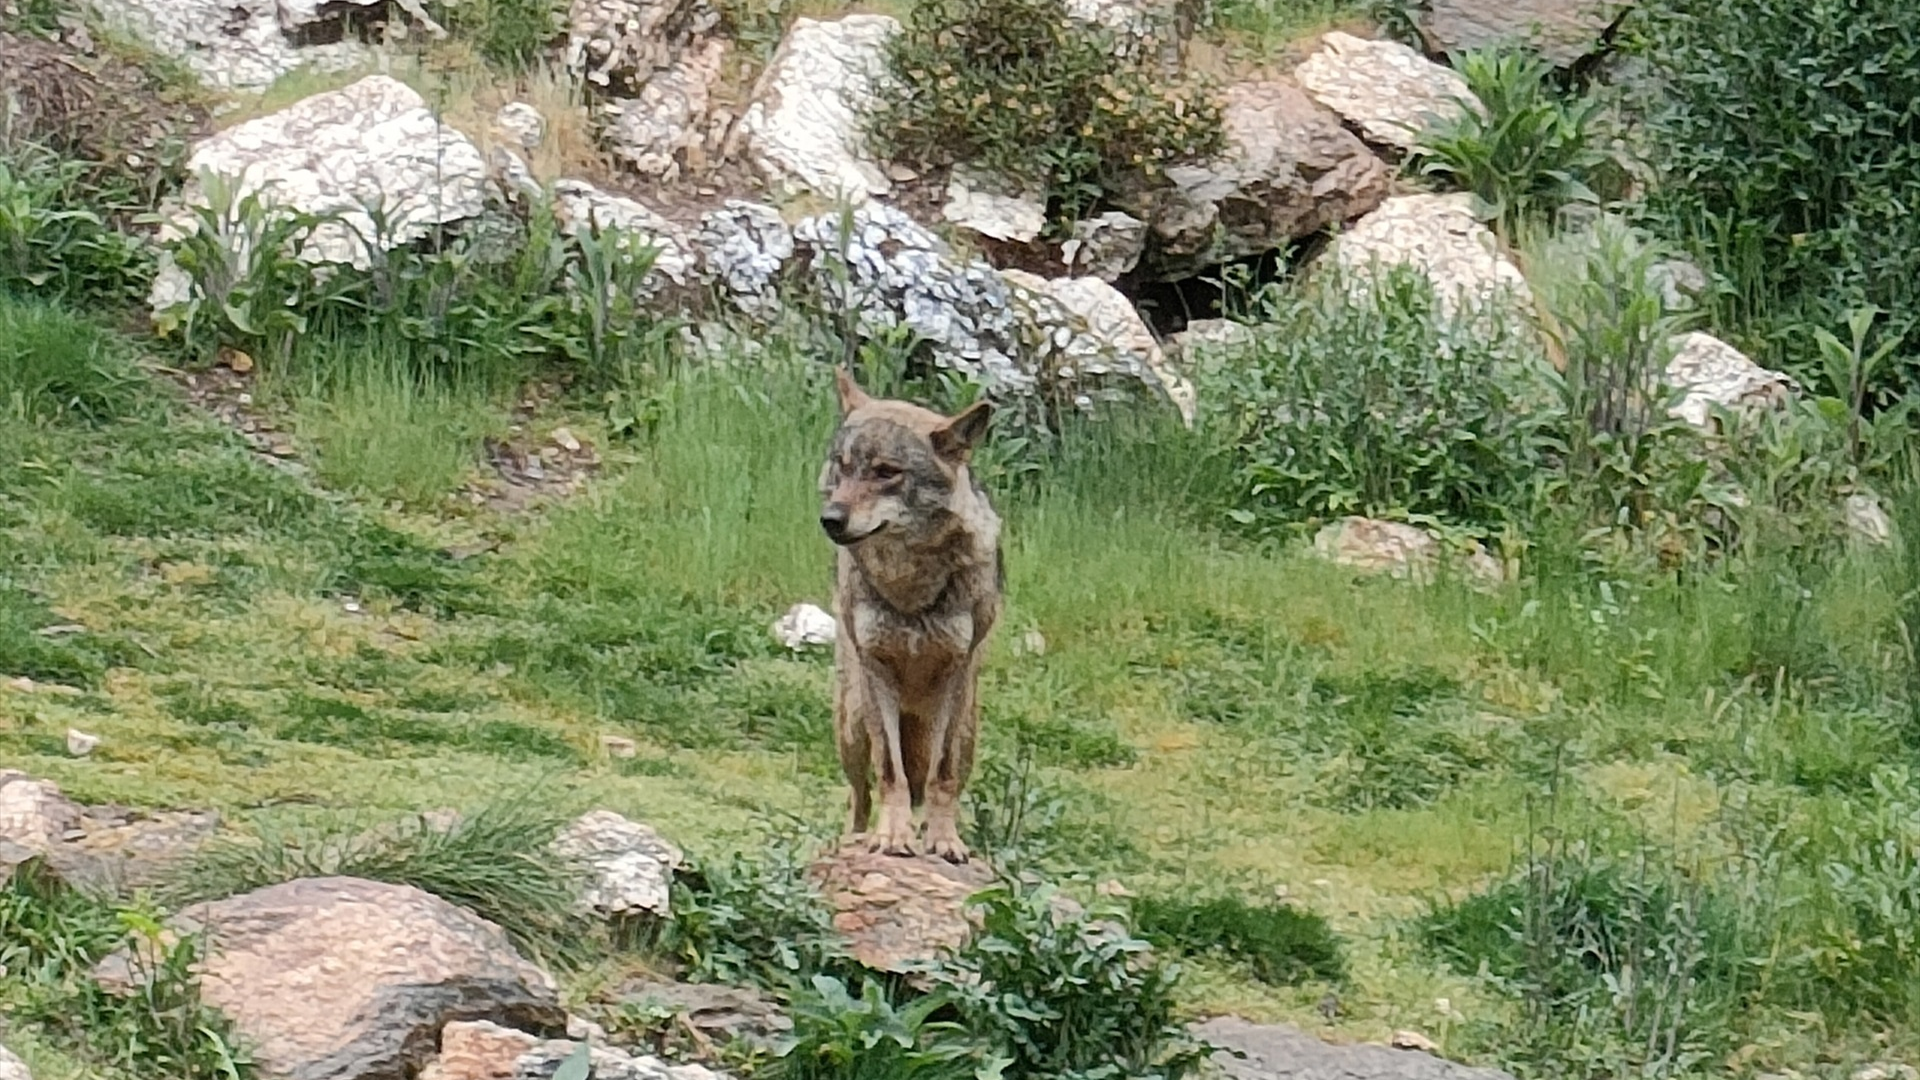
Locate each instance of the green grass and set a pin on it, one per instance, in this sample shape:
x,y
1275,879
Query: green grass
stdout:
x,y
1210,720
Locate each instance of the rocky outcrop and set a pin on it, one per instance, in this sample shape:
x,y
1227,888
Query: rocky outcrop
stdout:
x,y
896,912
979,206
662,132
803,130
98,848
1712,374
1106,246
1439,236
344,979
628,866
580,207
1290,169
742,248
1281,1052
1563,31
619,45
238,44
334,154
1389,92
1103,337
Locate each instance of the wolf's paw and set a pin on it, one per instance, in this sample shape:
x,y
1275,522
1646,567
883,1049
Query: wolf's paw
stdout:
x,y
946,843
894,836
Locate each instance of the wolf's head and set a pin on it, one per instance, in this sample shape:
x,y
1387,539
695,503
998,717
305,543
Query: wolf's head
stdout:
x,y
894,466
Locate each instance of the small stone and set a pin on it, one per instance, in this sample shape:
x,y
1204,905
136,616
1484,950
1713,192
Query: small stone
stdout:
x,y
1413,1040
80,743
629,866
1033,643
351,607
235,360
804,625
521,123
564,439
619,746
11,1067
584,1030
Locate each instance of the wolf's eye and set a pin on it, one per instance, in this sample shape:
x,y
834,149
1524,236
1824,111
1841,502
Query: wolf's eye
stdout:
x,y
886,473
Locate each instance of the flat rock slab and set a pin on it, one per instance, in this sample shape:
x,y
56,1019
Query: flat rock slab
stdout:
x,y
1284,1052
898,911
98,848
1563,31
343,979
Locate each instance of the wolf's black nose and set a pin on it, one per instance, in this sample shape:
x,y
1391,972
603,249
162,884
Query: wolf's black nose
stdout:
x,y
834,520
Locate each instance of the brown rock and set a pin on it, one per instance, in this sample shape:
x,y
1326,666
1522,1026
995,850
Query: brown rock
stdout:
x,y
337,978
101,848
1290,169
1563,31
478,1050
898,911
709,1014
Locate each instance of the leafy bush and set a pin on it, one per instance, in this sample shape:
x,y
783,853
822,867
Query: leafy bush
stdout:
x,y
1022,90
512,34
1379,406
1790,155
1067,995
742,919
50,939
1532,150
1279,944
840,1037
53,240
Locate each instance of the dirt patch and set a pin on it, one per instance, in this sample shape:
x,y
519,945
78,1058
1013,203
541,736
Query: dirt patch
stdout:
x,y
88,104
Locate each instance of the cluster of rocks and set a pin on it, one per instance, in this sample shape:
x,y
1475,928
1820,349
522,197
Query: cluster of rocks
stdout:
x,y
342,978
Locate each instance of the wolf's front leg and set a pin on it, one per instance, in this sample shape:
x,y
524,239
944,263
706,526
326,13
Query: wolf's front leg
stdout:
x,y
894,833
952,763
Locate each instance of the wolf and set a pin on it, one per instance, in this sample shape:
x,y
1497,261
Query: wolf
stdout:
x,y
918,587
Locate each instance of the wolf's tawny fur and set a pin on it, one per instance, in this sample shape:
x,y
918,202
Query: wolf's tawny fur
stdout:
x,y
917,590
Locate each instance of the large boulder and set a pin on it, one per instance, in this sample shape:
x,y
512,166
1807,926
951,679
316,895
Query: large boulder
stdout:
x,y
239,44
373,143
742,248
98,848
344,979
1389,92
1399,550
1439,236
1016,335
1289,169
580,207
1252,1051
803,130
1563,31
1711,375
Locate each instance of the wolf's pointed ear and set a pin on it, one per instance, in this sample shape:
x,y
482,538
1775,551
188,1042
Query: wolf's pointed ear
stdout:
x,y
851,396
957,437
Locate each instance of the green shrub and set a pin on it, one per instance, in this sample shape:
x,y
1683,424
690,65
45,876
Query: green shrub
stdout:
x,y
1022,90
839,1037
512,34
1280,944
1531,152
1379,406
1789,153
1067,995
737,918
53,240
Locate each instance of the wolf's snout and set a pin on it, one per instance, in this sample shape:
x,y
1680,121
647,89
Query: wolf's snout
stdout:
x,y
833,518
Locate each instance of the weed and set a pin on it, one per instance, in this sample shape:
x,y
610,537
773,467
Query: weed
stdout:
x,y
493,860
840,1037
739,918
512,34
1528,151
393,434
1061,994
50,940
53,241
54,365
1280,944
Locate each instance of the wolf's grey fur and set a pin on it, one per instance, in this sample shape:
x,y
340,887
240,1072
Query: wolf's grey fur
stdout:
x,y
918,588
